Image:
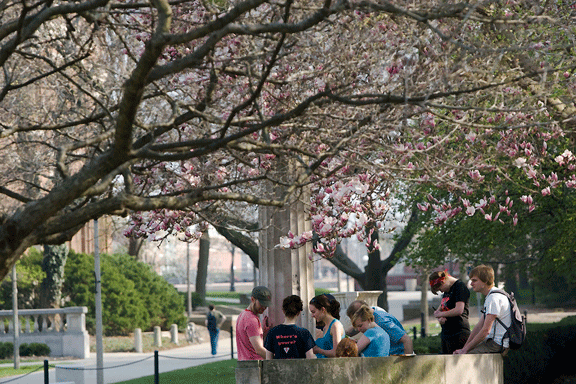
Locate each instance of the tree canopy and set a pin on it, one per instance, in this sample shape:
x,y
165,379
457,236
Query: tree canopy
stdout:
x,y
177,111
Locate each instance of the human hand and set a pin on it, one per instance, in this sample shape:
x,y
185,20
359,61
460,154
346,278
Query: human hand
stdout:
x,y
442,320
459,352
266,324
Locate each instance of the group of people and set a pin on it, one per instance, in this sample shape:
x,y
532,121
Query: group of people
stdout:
x,y
381,334
488,334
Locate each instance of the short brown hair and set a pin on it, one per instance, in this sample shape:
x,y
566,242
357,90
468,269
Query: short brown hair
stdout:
x,y
292,305
354,306
484,272
347,348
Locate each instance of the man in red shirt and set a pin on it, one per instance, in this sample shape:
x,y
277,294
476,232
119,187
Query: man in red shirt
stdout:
x,y
249,333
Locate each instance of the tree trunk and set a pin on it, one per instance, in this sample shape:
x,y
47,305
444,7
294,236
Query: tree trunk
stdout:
x,y
202,268
53,265
134,247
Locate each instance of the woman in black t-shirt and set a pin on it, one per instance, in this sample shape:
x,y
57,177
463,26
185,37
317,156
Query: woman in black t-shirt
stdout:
x,y
288,340
453,311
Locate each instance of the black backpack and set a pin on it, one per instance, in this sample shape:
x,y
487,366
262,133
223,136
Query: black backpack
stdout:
x,y
211,322
516,333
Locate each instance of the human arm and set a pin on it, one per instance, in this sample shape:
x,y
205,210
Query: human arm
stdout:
x,y
351,332
258,345
336,332
310,354
269,355
407,342
478,334
222,320
456,311
362,343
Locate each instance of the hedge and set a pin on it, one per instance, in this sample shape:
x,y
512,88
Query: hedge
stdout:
x,y
545,357
31,349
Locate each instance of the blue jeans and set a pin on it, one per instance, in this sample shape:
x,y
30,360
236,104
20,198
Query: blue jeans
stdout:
x,y
214,340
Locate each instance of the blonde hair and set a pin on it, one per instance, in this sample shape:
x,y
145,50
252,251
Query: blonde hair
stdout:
x,y
483,272
364,313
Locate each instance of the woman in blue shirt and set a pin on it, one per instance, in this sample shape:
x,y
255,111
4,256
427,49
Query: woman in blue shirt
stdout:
x,y
374,341
326,308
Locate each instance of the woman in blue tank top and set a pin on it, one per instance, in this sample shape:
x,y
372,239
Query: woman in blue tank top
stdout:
x,y
326,308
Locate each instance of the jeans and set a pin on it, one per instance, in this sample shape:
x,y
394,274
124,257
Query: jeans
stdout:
x,y
214,340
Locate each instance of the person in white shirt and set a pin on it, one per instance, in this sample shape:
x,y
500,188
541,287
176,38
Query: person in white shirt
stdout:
x,y
486,337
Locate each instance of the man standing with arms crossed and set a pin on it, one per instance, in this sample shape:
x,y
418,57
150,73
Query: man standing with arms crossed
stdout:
x,y
249,332
487,335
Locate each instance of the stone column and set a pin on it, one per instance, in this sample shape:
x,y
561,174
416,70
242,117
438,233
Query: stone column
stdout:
x,y
285,271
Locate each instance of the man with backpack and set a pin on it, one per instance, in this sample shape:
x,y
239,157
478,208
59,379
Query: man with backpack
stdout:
x,y
214,320
490,333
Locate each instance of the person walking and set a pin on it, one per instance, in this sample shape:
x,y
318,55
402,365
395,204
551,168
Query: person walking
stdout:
x,y
288,340
249,331
488,334
452,314
214,320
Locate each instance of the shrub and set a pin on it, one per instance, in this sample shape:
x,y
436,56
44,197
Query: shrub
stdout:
x,y
39,349
427,345
544,356
6,350
133,295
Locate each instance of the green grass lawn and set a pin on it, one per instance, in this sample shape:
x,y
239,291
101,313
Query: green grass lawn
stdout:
x,y
220,372
10,371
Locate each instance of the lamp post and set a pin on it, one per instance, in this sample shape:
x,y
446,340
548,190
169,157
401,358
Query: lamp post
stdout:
x,y
232,278
98,310
15,319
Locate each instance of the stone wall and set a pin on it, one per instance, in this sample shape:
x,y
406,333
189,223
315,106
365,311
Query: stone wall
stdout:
x,y
62,329
424,369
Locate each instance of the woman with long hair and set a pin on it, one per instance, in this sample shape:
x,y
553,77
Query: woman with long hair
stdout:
x,y
326,309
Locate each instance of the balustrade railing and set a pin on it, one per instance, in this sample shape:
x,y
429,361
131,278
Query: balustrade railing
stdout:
x,y
62,329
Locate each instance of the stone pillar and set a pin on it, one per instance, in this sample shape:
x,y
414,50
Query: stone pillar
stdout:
x,y
285,271
138,340
174,334
157,336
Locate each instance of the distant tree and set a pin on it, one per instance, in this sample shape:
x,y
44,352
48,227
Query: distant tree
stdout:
x,y
164,109
133,295
29,275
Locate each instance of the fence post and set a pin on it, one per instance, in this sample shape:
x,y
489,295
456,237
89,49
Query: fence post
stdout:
x,y
415,332
156,370
46,377
231,341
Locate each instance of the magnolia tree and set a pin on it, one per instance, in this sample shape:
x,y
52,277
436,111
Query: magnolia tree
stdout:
x,y
179,111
